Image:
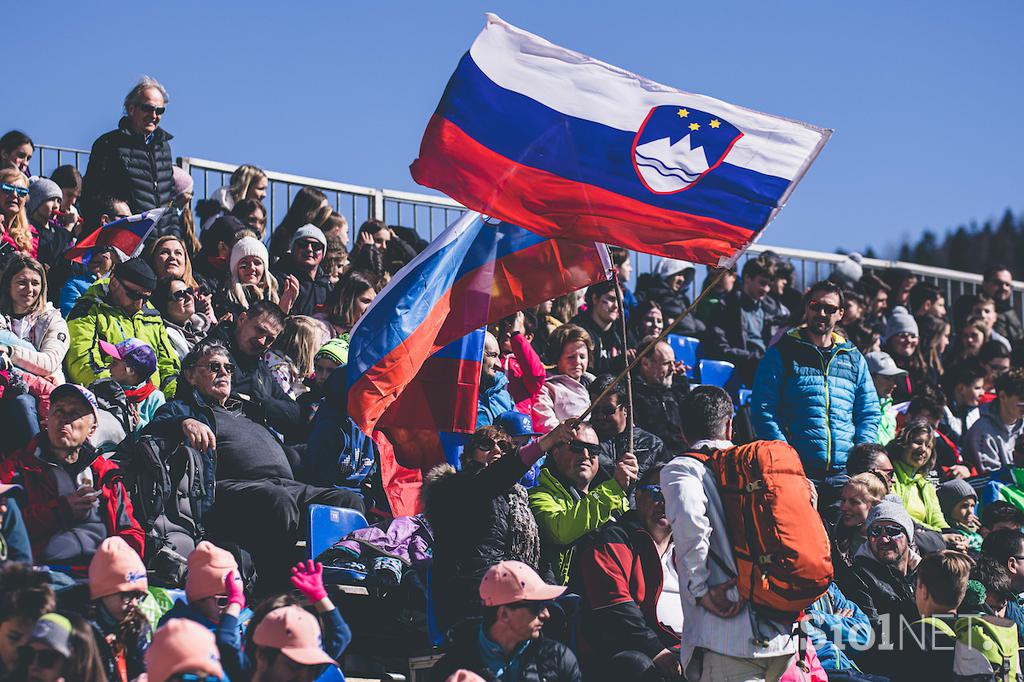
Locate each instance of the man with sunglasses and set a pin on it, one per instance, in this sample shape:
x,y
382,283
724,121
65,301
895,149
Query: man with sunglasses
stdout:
x,y
134,161
113,310
632,617
507,644
881,581
610,422
258,503
568,503
302,265
813,390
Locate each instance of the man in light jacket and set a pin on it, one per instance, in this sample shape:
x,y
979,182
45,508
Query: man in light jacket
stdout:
x,y
718,639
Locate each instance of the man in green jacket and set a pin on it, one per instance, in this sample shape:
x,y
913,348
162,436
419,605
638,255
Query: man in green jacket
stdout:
x,y
113,310
566,502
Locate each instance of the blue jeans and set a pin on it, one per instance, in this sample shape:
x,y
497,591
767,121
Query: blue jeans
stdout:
x,y
13,528
21,418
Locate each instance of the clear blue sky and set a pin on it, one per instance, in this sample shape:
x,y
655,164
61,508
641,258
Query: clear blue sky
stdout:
x,y
922,96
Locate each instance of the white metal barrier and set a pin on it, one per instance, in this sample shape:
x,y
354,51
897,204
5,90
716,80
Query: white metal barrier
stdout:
x,y
429,214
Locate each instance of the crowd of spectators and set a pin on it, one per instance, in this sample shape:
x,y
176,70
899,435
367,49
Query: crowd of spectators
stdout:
x,y
558,548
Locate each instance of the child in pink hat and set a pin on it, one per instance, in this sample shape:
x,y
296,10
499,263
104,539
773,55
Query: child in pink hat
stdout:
x,y
117,585
183,647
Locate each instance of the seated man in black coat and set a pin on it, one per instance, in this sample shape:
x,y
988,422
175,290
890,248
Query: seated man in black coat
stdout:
x,y
258,503
743,325
659,387
262,398
881,582
609,420
509,640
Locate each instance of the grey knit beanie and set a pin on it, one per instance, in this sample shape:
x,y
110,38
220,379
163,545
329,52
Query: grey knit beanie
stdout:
x,y
848,271
900,321
887,510
951,492
39,190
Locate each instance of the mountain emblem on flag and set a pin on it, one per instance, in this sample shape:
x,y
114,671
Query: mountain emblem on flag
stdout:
x,y
678,145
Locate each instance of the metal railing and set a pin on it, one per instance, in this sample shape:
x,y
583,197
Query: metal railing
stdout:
x,y
429,214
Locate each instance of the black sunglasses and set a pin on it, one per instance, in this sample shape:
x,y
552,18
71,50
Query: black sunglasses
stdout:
x,y
182,294
581,446
44,658
887,531
132,293
13,189
216,367
311,244
150,109
820,307
488,444
654,491
535,607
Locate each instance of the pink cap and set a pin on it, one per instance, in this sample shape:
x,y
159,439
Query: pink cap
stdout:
x,y
295,633
116,567
182,646
207,566
463,675
507,582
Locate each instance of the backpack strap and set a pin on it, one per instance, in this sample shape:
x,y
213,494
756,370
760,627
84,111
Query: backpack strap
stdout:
x,y
704,459
940,625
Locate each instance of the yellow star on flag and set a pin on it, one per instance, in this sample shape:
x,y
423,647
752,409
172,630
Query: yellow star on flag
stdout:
x,y
694,126
683,113
715,123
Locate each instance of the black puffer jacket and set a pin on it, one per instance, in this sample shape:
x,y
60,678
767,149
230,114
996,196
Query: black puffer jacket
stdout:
x,y
122,165
648,448
471,514
726,337
656,409
544,660
313,292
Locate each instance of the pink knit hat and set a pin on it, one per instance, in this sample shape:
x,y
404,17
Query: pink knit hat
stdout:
x,y
182,180
182,646
116,567
207,566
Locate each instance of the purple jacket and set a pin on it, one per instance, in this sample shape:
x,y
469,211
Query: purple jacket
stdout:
x,y
408,539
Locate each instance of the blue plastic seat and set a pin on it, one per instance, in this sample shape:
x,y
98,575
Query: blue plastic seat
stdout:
x,y
716,372
434,634
686,349
327,525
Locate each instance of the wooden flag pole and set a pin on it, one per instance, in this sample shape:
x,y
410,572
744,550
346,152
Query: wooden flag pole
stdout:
x,y
712,283
629,382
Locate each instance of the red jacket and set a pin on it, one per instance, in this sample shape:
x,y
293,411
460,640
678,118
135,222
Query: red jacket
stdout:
x,y
525,373
46,513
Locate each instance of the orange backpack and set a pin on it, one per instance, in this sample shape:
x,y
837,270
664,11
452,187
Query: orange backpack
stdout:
x,y
782,551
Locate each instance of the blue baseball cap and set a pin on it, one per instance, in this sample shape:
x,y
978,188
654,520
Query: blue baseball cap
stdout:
x,y
516,424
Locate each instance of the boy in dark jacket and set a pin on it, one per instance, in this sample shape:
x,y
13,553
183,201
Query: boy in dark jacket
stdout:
x,y
508,644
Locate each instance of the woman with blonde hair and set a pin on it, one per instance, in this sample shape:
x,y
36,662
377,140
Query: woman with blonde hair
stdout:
x,y
250,280
34,339
168,256
291,357
858,496
15,228
247,182
565,394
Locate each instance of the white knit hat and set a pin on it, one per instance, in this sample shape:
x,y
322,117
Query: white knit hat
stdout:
x,y
247,246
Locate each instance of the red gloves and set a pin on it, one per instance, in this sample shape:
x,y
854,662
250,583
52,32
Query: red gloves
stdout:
x,y
308,578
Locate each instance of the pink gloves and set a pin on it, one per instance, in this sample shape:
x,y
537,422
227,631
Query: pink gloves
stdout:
x,y
233,588
308,578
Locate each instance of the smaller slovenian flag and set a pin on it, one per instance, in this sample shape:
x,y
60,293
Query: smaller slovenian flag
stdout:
x,y
568,146
127,236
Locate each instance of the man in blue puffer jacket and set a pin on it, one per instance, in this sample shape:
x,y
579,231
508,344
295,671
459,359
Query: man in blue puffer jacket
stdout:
x,y
814,390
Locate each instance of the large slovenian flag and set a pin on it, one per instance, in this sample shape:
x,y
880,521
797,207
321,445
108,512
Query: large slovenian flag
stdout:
x,y
569,146
127,236
414,356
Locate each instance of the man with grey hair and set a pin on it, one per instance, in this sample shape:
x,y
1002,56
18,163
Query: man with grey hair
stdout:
x,y
134,161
